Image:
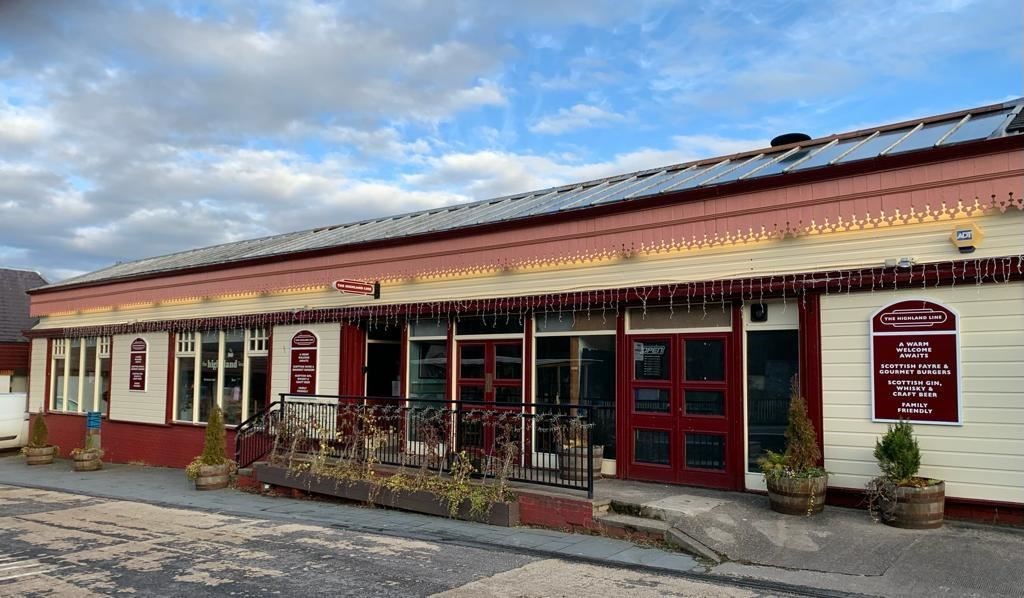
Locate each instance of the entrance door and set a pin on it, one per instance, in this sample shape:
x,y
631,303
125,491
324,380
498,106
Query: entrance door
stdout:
x,y
679,413
490,374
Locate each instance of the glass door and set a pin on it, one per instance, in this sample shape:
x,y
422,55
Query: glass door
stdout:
x,y
679,417
490,376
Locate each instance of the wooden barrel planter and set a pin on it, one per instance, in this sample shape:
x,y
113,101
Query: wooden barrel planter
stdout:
x,y
213,477
797,496
40,455
572,462
87,461
917,508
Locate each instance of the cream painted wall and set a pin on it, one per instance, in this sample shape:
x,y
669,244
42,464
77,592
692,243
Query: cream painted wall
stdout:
x,y
149,406
984,458
328,358
927,243
37,378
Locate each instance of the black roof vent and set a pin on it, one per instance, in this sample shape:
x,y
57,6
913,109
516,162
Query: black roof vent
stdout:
x,y
1017,124
787,138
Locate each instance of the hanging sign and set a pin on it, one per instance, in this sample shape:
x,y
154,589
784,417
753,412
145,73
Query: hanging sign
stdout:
x,y
915,362
357,287
137,365
303,363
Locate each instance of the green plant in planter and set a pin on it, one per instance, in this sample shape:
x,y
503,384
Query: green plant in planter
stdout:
x,y
899,459
213,445
796,483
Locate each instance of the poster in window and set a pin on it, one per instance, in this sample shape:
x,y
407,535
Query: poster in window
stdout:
x,y
137,365
915,363
303,363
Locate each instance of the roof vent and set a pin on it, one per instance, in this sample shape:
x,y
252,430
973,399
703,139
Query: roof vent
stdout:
x,y
788,138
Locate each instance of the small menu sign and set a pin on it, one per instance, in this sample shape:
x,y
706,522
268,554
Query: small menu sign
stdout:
x,y
303,363
915,364
650,360
137,365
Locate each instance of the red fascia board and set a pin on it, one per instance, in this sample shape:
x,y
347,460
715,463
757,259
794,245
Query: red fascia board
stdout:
x,y
879,164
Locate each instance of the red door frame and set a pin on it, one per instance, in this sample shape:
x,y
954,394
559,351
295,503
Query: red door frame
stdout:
x,y
490,382
676,422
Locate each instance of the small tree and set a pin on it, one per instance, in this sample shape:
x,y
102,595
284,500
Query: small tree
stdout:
x,y
897,453
213,445
802,452
40,435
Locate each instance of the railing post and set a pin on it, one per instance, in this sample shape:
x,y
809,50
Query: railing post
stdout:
x,y
590,455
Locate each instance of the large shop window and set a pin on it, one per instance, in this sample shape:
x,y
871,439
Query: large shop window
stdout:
x,y
228,368
772,362
575,361
81,375
428,359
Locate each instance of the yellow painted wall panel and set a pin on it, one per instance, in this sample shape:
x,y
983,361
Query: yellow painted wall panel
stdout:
x,y
147,406
983,458
328,357
37,378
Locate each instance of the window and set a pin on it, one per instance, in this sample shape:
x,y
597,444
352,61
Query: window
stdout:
x,y
428,359
80,378
772,363
228,368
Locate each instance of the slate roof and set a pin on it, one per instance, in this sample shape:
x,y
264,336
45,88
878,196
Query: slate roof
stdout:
x,y
14,303
919,135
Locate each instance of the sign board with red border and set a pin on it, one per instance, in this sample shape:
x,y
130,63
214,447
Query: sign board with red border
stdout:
x,y
357,287
302,372
137,365
915,364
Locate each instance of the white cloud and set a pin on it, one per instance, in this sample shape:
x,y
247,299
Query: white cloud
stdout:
x,y
580,116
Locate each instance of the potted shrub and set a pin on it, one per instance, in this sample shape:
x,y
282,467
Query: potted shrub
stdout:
x,y
899,497
39,450
212,469
796,484
87,459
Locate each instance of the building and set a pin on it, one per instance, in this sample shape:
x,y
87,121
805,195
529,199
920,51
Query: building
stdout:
x,y
881,269
14,319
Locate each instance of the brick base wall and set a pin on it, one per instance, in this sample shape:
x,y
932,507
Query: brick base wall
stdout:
x,y
123,442
556,512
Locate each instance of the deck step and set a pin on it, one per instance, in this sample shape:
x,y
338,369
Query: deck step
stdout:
x,y
631,523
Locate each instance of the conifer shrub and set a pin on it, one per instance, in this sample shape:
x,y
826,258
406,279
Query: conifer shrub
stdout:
x,y
800,459
39,437
898,455
213,445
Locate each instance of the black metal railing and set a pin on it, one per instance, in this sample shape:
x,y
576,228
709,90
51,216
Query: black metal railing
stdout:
x,y
546,444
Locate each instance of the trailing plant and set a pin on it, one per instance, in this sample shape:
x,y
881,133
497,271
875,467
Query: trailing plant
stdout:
x,y
213,446
95,452
800,460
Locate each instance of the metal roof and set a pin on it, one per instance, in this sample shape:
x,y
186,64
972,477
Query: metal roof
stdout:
x,y
917,135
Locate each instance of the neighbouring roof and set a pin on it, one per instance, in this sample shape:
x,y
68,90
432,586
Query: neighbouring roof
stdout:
x,y
14,303
912,136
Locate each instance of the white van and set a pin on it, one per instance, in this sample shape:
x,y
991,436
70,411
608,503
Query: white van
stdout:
x,y
13,420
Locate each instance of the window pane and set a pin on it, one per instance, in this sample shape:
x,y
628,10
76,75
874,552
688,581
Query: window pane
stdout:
x,y
234,373
57,404
705,402
491,324
650,360
651,446
89,390
568,322
471,361
705,360
772,362
705,451
186,387
508,394
428,369
208,374
104,383
508,361
428,328
664,318
651,400
471,393
257,385
74,355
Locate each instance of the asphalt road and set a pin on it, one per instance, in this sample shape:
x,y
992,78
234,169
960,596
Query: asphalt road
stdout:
x,y
60,544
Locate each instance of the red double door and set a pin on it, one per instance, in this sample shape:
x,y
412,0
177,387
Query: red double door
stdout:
x,y
490,378
681,410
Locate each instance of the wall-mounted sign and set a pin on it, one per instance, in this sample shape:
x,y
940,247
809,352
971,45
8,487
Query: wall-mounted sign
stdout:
x,y
915,364
303,363
357,287
137,365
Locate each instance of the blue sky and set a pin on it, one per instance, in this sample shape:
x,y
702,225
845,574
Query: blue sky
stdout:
x,y
131,130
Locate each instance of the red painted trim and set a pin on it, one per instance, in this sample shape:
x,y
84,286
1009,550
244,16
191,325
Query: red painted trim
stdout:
x,y
624,441
270,367
734,450
403,362
990,270
15,356
449,375
810,362
110,395
352,378
889,162
172,371
528,395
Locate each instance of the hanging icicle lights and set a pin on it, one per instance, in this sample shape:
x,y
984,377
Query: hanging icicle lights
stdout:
x,y
997,270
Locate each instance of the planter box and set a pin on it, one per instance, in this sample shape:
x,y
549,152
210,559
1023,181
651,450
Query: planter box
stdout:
x,y
418,501
797,496
40,456
916,508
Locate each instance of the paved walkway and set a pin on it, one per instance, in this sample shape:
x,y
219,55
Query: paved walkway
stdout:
x,y
840,551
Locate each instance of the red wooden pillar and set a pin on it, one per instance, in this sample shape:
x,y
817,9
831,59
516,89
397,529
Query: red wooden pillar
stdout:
x,y
810,360
351,377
